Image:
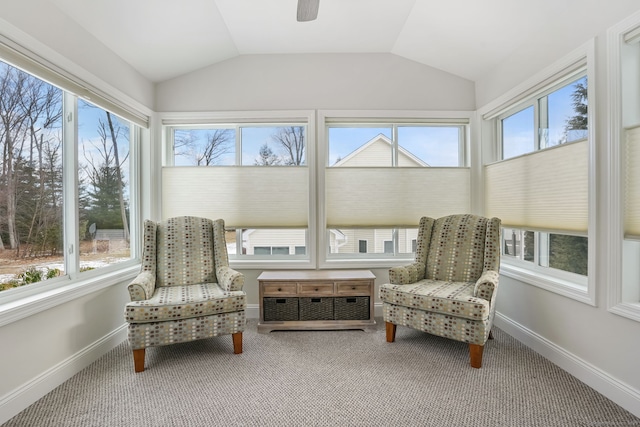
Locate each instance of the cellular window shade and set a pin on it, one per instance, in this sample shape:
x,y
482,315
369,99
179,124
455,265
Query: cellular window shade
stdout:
x,y
632,184
546,190
393,197
244,196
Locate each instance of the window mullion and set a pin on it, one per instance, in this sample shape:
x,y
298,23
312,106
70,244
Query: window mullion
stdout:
x,y
70,184
542,135
394,150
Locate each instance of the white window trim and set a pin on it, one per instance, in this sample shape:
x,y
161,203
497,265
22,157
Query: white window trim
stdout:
x,y
613,215
380,116
32,299
28,300
519,96
169,119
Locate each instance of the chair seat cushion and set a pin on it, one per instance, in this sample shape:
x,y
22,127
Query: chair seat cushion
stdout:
x,y
185,302
452,298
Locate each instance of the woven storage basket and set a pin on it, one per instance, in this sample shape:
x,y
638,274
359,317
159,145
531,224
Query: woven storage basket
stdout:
x,y
351,308
316,308
280,309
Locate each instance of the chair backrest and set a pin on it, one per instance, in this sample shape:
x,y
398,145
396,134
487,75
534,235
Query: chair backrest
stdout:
x,y
185,252
458,248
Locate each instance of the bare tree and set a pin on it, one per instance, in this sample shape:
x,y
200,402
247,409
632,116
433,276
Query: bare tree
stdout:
x,y
114,140
27,107
217,145
291,139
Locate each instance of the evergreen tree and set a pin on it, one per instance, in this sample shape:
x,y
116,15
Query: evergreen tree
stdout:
x,y
569,253
577,125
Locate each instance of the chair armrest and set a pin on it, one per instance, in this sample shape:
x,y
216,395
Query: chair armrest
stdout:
x,y
142,287
407,274
486,285
229,279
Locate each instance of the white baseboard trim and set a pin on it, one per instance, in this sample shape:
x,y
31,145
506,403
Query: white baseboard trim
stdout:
x,y
253,310
614,389
17,400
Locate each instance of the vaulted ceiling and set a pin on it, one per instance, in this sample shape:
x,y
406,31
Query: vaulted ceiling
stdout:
x,y
163,39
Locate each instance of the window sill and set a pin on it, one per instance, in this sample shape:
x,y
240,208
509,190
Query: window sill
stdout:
x,y
630,310
19,305
549,283
385,263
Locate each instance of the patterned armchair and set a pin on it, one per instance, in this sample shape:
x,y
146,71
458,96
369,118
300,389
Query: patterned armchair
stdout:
x,y
185,290
451,287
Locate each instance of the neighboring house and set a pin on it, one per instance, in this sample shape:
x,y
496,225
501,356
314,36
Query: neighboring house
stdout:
x,y
274,242
377,152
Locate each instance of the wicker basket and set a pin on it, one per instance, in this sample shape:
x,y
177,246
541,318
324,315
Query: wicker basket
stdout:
x,y
280,309
316,308
351,308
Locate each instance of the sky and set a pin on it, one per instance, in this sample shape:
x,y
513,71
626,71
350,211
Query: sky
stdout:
x,y
437,146
518,129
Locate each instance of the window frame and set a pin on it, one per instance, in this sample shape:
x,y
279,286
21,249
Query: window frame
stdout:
x,y
376,118
28,300
236,120
579,62
619,55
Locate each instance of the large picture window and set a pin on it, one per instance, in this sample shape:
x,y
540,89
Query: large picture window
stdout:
x,y
65,195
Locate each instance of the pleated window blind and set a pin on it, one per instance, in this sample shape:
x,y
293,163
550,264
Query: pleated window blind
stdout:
x,y
388,181
394,197
244,196
545,190
632,183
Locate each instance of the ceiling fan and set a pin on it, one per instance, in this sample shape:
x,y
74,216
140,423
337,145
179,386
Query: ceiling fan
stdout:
x,y
307,10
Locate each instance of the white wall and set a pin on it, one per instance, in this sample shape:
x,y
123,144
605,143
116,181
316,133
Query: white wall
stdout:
x,y
593,344
43,350
57,38
556,42
379,81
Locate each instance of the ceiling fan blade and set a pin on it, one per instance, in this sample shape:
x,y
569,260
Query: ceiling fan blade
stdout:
x,y
307,10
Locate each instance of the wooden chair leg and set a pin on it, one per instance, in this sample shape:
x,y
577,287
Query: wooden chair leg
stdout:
x,y
237,342
138,360
475,352
391,332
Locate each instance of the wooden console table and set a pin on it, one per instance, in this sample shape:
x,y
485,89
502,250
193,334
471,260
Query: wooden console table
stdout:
x,y
316,300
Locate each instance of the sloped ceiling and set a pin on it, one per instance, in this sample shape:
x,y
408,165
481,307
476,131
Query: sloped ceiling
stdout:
x,y
164,39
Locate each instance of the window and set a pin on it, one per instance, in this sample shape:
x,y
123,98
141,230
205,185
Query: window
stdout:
x,y
541,183
255,176
373,167
82,165
623,188
558,251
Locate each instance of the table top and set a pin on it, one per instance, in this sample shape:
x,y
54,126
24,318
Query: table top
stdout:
x,y
300,275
